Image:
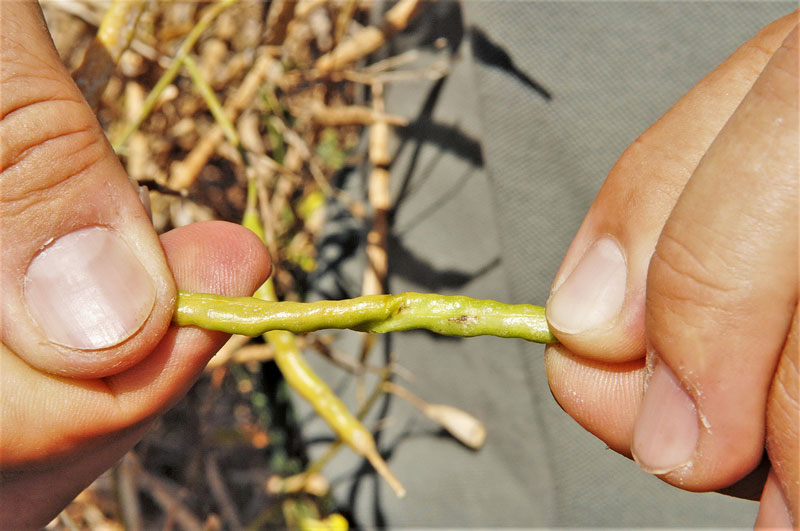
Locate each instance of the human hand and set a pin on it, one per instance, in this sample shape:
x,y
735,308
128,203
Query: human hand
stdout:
x,y
88,356
684,276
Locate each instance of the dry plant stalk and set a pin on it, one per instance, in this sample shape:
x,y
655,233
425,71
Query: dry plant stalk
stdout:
x,y
345,362
166,78
212,53
343,19
346,114
460,424
229,351
305,7
254,352
113,37
220,492
370,38
138,152
162,494
301,161
379,199
278,18
183,173
125,485
294,30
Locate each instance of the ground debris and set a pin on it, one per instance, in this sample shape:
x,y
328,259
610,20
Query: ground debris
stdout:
x,y
292,80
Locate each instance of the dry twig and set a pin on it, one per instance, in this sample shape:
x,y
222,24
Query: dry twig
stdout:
x,y
379,199
184,173
164,496
461,425
278,17
185,47
346,114
126,478
280,141
216,484
369,38
113,37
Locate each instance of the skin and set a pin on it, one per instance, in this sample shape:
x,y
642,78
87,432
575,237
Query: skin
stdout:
x,y
75,428
49,167
62,424
68,442
710,247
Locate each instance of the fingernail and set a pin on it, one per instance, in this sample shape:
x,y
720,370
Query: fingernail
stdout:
x,y
592,295
88,290
667,427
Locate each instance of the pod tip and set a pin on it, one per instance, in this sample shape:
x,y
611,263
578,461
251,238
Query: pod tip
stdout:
x,y
383,471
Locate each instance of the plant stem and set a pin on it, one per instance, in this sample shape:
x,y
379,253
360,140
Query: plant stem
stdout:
x,y
212,101
452,315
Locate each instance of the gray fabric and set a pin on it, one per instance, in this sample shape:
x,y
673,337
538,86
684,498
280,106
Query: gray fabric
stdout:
x,y
492,182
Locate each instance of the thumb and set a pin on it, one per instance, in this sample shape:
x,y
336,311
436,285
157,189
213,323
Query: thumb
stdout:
x,y
721,291
86,291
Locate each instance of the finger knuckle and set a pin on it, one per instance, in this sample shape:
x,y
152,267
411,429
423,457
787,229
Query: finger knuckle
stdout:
x,y
47,131
685,279
44,143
